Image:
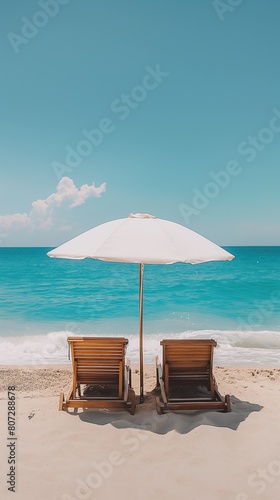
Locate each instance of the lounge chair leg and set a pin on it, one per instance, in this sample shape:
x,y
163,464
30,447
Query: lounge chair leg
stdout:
x,y
228,405
158,406
61,401
132,399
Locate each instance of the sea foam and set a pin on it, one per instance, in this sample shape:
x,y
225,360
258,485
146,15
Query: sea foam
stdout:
x,y
244,348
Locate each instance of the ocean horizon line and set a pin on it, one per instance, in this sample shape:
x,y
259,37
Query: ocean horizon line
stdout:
x,y
222,245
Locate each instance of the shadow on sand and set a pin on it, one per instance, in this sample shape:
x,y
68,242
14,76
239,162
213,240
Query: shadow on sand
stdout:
x,y
182,422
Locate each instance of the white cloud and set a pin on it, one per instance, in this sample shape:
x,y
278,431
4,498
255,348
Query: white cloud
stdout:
x,y
42,212
66,190
17,220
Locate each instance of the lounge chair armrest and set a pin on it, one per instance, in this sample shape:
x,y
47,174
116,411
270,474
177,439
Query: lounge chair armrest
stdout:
x,y
161,382
157,375
127,380
159,370
128,371
127,363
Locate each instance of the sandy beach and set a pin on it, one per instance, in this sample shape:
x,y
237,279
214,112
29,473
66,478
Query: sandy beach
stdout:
x,y
104,454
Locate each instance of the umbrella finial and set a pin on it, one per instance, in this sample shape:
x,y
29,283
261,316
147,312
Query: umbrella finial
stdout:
x,y
141,216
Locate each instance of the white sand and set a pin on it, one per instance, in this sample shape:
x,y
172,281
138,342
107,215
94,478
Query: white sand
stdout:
x,y
102,454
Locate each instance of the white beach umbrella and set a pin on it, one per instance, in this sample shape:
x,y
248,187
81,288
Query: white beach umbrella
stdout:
x,y
141,239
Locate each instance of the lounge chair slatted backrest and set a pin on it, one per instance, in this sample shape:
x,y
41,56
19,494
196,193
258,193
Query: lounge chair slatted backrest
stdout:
x,y
188,360
187,366
99,362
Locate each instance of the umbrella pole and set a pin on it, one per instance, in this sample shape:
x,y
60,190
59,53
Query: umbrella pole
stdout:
x,y
141,269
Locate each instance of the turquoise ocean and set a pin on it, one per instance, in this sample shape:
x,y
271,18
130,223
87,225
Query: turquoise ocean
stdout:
x,y
43,300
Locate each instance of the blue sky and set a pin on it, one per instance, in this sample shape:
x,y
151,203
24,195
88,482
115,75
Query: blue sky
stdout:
x,y
168,108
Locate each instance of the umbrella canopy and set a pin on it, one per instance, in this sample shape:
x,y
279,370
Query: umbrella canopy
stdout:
x,y
142,239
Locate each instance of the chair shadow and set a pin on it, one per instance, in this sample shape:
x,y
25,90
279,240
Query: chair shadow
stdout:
x,y
146,417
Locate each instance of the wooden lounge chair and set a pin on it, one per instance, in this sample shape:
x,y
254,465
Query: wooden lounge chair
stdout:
x,y
186,377
99,368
